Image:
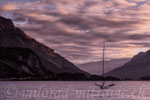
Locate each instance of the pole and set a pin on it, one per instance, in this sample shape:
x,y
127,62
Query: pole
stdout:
x,y
103,63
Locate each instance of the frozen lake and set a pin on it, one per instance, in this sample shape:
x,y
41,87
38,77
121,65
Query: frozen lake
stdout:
x,y
86,90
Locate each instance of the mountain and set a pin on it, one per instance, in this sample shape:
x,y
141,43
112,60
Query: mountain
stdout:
x,y
137,67
96,67
20,62
22,46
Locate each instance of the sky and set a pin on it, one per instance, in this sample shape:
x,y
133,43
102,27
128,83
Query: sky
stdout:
x,y
76,29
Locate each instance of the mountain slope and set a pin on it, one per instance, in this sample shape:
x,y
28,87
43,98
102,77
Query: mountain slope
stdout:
x,y
11,36
96,67
138,67
20,62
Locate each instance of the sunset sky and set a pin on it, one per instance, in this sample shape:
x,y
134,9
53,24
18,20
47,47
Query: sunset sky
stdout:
x,y
76,29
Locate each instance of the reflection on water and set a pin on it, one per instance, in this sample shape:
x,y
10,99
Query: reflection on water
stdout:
x,y
135,90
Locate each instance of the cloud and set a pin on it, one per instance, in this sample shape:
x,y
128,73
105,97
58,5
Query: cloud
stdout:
x,y
76,29
9,7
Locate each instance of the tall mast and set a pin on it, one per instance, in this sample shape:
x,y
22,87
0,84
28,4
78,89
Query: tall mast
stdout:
x,y
103,63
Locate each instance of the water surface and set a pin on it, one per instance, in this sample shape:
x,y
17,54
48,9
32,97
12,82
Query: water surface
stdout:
x,y
66,90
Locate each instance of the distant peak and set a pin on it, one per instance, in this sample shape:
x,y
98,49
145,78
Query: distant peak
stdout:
x,y
148,52
139,55
4,22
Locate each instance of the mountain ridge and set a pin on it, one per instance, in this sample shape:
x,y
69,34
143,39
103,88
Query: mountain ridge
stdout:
x,y
95,67
11,36
137,67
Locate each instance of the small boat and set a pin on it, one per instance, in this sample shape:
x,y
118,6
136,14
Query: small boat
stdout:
x,y
102,85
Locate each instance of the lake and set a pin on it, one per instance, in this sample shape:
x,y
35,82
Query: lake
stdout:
x,y
66,90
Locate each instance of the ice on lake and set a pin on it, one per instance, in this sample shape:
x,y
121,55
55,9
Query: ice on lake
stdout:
x,y
66,90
